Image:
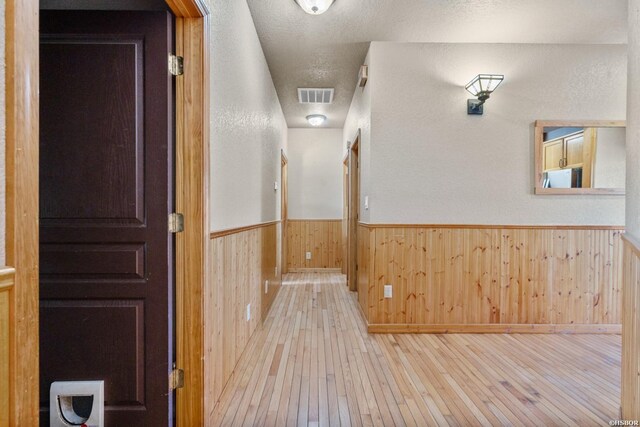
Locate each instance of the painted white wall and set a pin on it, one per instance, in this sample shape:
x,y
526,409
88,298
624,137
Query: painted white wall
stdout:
x,y
433,163
633,123
247,125
610,159
315,173
359,119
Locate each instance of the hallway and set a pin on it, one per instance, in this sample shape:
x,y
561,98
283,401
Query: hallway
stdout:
x,y
312,363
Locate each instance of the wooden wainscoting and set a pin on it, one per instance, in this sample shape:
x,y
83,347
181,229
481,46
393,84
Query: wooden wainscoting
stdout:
x,y
321,237
494,279
631,331
365,255
7,343
241,261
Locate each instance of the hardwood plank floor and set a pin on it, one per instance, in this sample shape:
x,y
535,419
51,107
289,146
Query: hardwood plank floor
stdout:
x,y
313,363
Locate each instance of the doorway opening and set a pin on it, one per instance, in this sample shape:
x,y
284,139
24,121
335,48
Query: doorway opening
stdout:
x,y
354,214
284,202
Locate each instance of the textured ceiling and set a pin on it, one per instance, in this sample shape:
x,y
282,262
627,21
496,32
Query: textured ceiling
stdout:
x,y
326,51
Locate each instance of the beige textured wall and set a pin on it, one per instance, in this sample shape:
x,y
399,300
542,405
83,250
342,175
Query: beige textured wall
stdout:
x,y
433,163
315,173
359,118
247,125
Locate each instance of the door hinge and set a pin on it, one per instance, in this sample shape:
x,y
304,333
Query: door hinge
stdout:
x,y
176,65
176,223
176,378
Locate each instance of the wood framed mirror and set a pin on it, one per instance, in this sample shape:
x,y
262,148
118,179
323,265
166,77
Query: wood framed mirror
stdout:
x,y
575,157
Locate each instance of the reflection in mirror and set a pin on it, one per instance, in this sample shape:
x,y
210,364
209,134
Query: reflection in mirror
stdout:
x,y
580,158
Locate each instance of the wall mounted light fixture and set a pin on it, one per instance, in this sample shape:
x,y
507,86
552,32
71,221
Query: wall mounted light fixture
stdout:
x,y
315,7
481,87
316,119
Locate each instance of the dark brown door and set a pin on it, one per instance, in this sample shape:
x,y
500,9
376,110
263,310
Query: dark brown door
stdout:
x,y
106,156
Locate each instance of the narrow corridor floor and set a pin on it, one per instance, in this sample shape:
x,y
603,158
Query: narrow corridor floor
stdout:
x,y
313,363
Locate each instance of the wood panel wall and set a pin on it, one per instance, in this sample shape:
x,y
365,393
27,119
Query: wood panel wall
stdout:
x,y
240,262
7,343
322,237
466,279
631,332
366,253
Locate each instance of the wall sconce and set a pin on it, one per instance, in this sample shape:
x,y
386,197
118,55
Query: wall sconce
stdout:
x,y
481,87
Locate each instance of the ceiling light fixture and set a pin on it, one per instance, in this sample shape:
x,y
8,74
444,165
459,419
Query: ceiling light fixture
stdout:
x,y
315,7
316,119
481,87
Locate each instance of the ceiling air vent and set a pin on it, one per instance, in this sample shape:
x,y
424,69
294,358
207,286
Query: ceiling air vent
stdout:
x,y
315,95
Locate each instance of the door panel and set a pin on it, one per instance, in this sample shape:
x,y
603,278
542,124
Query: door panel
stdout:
x,y
553,154
106,156
574,151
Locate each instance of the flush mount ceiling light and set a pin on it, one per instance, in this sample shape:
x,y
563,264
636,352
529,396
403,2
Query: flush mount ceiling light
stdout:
x,y
316,119
315,7
481,87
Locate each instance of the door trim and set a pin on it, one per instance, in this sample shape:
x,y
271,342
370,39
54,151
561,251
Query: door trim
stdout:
x,y
345,214
354,212
192,156
192,200
284,211
21,238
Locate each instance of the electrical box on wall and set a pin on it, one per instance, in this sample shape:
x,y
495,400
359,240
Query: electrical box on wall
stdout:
x,y
388,291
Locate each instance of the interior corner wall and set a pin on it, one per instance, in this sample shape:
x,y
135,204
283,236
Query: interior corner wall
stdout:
x,y
431,163
359,119
633,123
248,128
315,173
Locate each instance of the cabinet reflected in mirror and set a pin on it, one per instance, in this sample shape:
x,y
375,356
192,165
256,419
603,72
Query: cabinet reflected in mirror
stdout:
x,y
580,157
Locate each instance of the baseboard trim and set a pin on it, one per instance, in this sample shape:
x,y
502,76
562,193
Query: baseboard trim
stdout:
x,y
314,270
495,329
496,226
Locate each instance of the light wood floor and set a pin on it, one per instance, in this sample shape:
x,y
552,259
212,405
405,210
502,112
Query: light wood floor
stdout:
x,y
313,363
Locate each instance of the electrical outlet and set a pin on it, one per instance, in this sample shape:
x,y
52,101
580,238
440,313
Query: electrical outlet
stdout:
x,y
248,312
308,256
388,291
275,186
366,202
266,286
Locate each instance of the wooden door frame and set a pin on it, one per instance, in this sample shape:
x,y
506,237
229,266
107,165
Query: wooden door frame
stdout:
x,y
354,209
192,182
284,209
345,213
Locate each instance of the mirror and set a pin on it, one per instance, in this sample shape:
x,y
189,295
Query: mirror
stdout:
x,y
580,157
